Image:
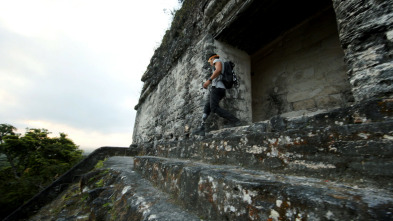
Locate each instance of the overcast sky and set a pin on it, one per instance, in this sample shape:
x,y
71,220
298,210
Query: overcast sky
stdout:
x,y
75,66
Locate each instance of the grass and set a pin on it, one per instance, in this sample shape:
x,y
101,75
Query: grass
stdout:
x,y
100,183
100,164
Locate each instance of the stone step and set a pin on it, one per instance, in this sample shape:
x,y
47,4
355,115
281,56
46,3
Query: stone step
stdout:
x,y
233,193
122,194
358,153
352,144
378,110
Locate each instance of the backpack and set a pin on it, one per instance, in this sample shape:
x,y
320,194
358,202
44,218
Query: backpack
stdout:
x,y
229,77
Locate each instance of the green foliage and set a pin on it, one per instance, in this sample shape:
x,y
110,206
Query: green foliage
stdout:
x,y
84,197
108,204
100,183
30,163
6,129
3,161
99,164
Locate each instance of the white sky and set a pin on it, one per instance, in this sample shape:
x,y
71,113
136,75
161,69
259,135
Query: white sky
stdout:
x,y
74,66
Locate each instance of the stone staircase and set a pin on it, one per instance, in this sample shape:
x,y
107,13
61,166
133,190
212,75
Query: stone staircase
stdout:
x,y
218,192
334,165
122,195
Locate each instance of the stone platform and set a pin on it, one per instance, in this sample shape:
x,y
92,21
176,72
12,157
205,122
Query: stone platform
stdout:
x,y
333,165
232,193
351,145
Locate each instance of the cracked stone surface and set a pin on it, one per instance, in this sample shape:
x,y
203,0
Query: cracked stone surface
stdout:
x,y
113,192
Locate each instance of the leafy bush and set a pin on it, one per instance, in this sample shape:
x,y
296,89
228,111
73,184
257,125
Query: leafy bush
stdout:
x,y
30,163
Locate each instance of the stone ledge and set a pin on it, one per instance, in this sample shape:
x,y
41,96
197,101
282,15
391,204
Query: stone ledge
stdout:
x,y
233,193
123,195
353,145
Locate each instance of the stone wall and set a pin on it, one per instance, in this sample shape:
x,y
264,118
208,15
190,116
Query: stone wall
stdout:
x,y
329,68
301,71
170,108
366,34
179,98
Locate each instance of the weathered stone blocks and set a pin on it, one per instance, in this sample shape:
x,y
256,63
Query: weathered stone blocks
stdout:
x,y
345,145
232,193
363,28
318,90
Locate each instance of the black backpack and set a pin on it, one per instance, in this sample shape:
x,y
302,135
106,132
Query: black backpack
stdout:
x,y
229,77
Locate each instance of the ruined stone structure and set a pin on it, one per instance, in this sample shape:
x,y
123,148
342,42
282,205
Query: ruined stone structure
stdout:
x,y
316,93
293,58
316,88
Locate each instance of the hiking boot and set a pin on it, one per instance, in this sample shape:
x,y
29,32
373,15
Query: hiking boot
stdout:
x,y
200,131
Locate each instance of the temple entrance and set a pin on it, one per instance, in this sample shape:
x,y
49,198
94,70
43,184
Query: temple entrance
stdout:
x,y
296,63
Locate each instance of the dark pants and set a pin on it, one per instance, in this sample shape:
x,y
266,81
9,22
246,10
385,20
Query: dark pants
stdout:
x,y
212,104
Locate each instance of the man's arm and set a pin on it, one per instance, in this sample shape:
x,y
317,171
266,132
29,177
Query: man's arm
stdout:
x,y
216,73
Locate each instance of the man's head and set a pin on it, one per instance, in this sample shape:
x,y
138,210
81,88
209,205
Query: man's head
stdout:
x,y
212,57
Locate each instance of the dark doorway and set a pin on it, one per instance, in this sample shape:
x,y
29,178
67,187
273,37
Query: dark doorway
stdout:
x,y
296,59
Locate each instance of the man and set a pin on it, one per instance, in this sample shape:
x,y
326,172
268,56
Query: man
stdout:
x,y
217,93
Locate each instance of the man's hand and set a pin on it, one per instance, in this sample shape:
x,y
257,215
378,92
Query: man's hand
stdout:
x,y
206,84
